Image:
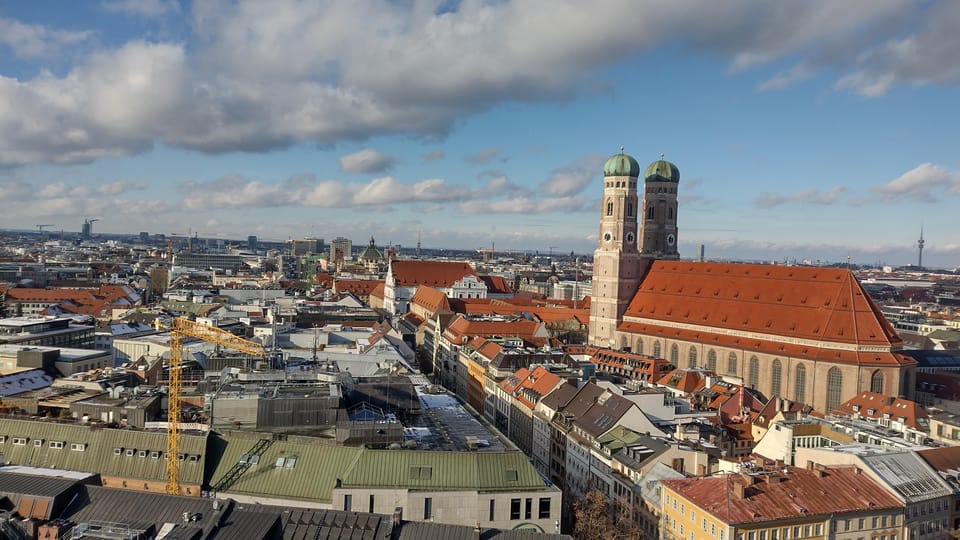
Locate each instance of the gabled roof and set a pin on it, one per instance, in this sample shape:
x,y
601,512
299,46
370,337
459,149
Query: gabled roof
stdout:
x,y
946,459
463,328
605,413
409,273
496,284
875,406
687,381
796,494
754,307
431,299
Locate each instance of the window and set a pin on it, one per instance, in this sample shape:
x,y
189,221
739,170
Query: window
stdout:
x,y
78,447
609,207
834,385
629,209
650,212
639,346
692,357
155,454
732,364
493,505
118,451
142,453
131,452
674,354
544,511
754,375
656,350
800,384
514,508
38,443
347,502
876,382
712,360
427,508
776,373
19,441
56,444
528,509
3,439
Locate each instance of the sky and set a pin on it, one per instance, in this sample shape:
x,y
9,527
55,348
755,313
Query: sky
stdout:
x,y
816,130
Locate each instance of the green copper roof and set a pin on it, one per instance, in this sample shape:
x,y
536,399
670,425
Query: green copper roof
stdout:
x,y
661,171
621,165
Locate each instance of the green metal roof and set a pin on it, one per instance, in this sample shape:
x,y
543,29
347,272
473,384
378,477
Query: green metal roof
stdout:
x,y
661,171
98,455
621,165
423,470
312,477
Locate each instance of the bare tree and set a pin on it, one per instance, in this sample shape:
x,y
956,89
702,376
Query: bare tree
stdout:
x,y
601,518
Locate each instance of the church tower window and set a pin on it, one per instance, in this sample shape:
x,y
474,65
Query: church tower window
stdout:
x,y
609,208
712,360
754,379
834,385
776,373
629,209
800,384
732,364
692,357
650,212
876,382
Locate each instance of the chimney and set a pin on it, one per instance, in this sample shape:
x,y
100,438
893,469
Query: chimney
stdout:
x,y
786,405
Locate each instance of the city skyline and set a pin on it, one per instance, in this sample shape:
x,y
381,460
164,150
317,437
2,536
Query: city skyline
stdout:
x,y
816,130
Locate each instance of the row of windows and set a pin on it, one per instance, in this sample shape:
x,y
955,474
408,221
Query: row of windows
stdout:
x,y
516,505
834,376
39,443
153,454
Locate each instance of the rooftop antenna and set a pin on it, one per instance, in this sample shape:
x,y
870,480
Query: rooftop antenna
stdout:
x,y
418,242
621,149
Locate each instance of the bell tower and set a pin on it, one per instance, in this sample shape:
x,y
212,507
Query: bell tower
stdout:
x,y
658,237
616,261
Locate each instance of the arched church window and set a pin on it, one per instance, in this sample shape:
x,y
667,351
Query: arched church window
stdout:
x,y
609,208
712,360
624,344
776,373
754,373
639,346
876,382
834,386
629,209
650,212
692,357
732,364
800,384
656,350
669,212
674,354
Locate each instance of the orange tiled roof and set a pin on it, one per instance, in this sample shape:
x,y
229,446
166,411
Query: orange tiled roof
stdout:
x,y
407,273
874,406
93,301
774,496
687,381
462,328
431,299
813,303
359,287
497,284
378,291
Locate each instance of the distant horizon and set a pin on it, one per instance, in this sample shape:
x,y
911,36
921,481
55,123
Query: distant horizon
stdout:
x,y
808,130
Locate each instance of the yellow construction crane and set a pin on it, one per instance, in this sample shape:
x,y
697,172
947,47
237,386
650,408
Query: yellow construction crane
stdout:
x,y
181,329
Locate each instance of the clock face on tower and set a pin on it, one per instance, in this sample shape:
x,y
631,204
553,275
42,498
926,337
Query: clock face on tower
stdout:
x,y
671,239
607,237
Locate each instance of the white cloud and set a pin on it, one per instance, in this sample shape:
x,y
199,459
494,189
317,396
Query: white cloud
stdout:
x,y
573,178
366,161
484,156
30,40
525,205
256,76
920,183
810,196
144,8
434,155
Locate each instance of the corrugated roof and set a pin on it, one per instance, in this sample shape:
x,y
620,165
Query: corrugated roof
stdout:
x,y
99,455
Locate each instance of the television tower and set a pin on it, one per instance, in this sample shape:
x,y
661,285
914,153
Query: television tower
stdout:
x,y
920,249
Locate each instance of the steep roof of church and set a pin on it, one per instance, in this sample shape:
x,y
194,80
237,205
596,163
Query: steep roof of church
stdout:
x,y
754,307
433,273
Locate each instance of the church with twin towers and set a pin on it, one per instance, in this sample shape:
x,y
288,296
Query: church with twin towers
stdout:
x,y
807,334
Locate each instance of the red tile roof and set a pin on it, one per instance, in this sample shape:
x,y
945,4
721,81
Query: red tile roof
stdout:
x,y
809,303
359,287
463,328
497,285
942,459
800,493
408,273
874,406
687,381
95,301
431,299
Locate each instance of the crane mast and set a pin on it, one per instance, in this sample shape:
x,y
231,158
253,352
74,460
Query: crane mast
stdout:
x,y
183,328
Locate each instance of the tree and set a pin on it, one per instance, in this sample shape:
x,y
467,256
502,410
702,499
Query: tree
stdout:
x,y
601,518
